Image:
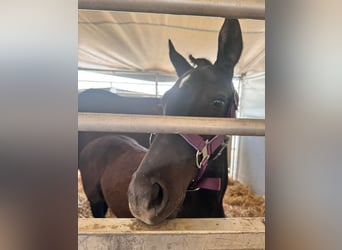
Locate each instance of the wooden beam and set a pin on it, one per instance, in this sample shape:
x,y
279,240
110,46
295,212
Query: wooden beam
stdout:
x,y
225,233
169,124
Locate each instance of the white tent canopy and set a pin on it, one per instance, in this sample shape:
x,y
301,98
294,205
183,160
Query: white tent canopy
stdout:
x,y
136,44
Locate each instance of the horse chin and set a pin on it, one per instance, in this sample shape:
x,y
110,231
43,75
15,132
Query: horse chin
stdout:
x,y
175,212
154,219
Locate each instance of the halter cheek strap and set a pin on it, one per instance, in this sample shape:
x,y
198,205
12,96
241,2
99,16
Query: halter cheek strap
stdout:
x,y
205,149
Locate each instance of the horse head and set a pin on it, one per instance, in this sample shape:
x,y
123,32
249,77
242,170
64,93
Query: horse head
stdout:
x,y
159,186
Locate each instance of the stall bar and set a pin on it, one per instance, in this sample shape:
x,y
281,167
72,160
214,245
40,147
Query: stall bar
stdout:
x,y
252,9
98,122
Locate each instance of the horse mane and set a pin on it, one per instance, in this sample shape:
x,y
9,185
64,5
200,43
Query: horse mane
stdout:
x,y
199,62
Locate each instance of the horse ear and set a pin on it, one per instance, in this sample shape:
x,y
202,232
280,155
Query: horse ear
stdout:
x,y
229,43
178,61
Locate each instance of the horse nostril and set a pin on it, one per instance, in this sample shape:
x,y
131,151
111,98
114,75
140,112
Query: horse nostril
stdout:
x,y
156,196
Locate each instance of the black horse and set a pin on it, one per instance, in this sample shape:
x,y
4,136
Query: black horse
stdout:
x,y
173,180
103,101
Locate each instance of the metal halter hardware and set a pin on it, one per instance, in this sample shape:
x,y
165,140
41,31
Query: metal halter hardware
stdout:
x,y
150,139
205,148
204,154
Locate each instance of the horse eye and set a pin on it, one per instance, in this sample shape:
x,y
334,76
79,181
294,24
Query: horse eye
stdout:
x,y
218,103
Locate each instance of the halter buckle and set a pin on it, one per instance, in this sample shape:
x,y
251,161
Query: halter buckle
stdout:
x,y
204,154
150,139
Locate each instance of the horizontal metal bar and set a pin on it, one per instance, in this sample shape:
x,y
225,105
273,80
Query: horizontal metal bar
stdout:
x,y
254,9
100,122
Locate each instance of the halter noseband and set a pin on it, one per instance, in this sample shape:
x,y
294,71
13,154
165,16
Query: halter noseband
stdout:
x,y
205,148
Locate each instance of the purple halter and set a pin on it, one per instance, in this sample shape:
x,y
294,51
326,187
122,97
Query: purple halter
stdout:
x,y
206,148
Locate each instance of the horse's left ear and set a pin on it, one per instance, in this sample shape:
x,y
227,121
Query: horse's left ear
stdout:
x,y
178,61
229,44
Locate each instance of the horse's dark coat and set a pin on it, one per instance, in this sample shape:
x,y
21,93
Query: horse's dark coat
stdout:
x,y
107,165
103,101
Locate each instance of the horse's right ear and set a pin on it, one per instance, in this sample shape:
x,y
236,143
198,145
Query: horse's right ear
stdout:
x,y
180,64
229,44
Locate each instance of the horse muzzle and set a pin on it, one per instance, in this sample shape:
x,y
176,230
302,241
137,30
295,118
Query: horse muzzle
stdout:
x,y
148,199
158,187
